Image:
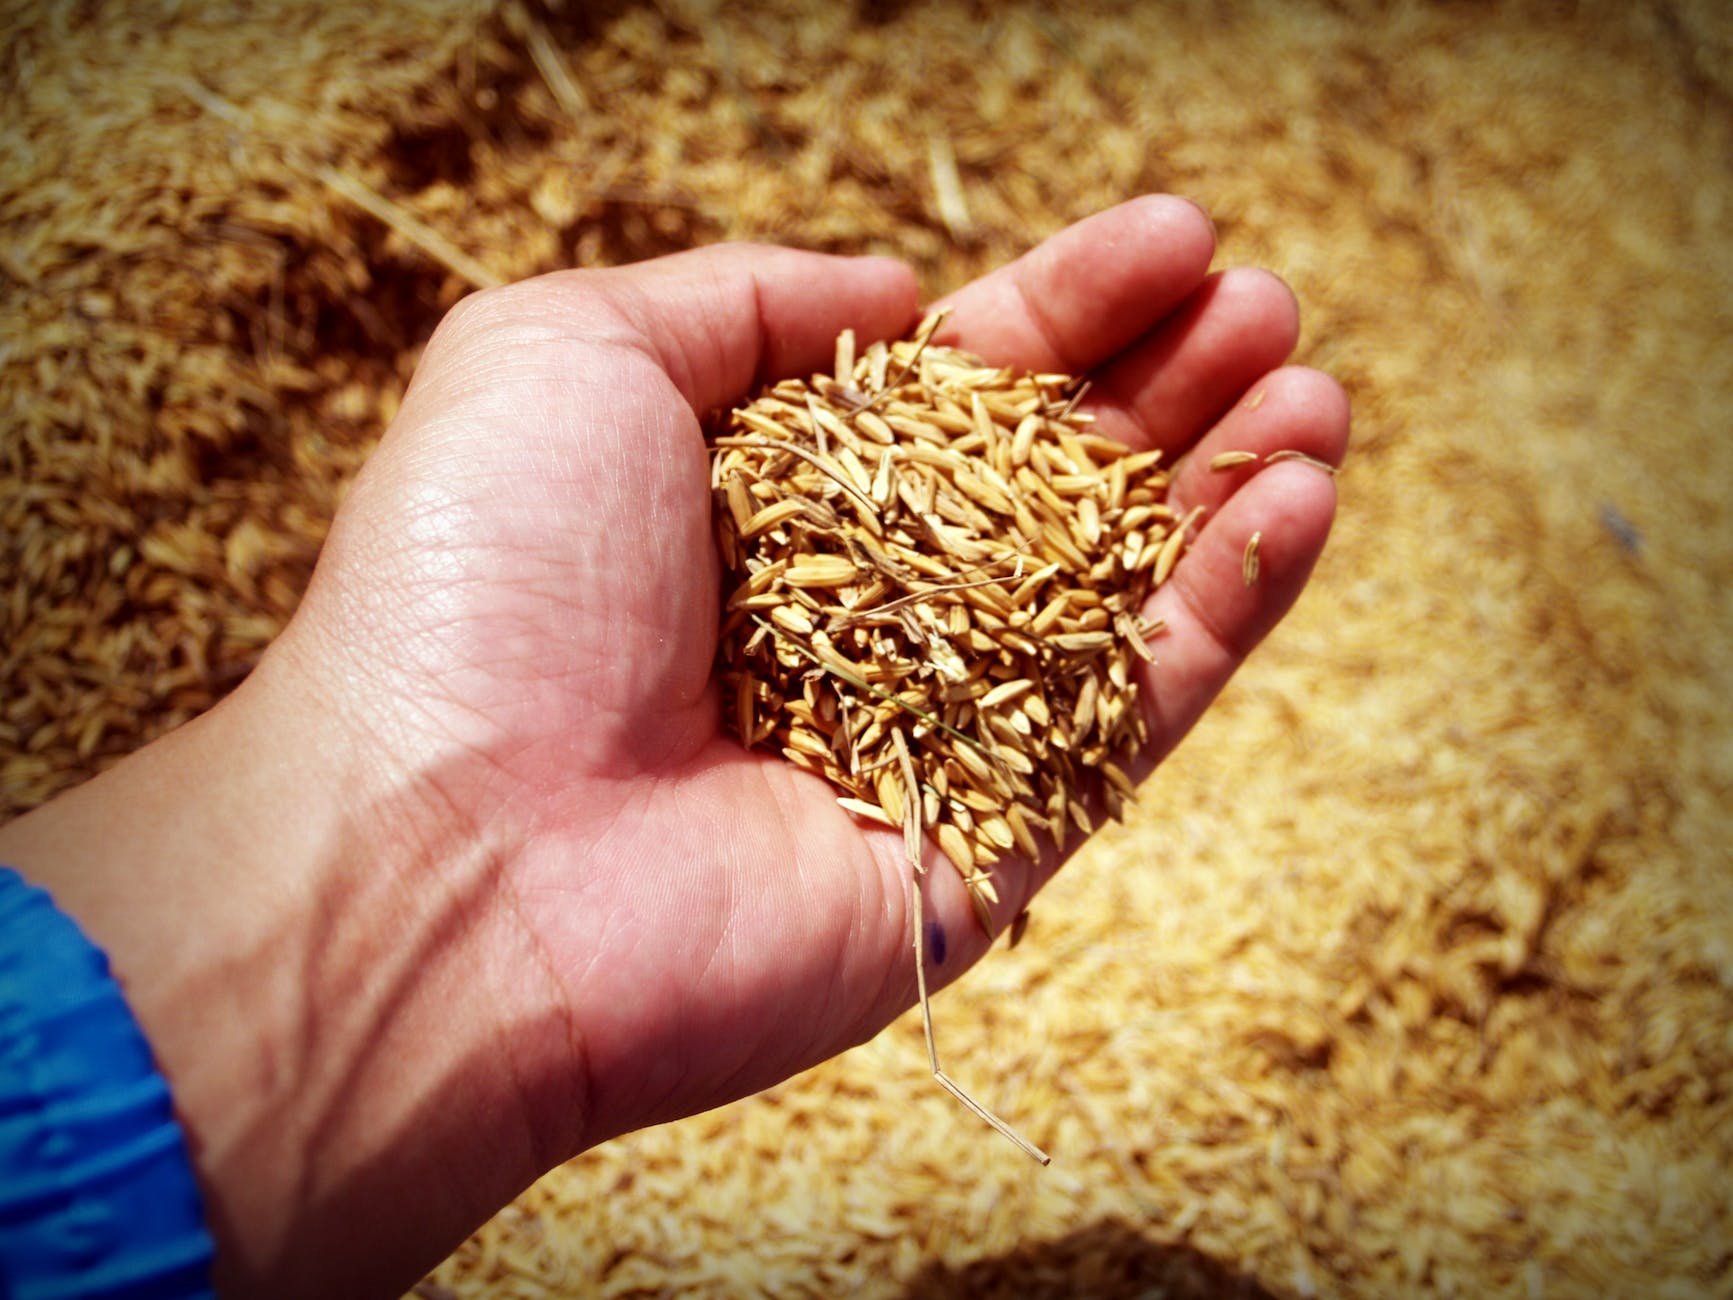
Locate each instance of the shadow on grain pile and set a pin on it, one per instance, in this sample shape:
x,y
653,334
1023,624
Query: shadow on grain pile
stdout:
x,y
1109,1260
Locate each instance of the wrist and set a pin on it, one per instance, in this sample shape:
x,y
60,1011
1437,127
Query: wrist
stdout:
x,y
304,941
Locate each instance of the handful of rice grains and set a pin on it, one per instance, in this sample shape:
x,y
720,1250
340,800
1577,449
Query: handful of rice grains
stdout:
x,y
933,570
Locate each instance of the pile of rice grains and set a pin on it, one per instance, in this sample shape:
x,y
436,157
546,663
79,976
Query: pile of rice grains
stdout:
x,y
1409,975
935,573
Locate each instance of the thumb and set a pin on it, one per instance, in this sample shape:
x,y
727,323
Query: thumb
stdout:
x,y
718,321
722,320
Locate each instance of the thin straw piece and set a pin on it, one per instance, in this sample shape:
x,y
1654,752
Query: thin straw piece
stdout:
x,y
911,825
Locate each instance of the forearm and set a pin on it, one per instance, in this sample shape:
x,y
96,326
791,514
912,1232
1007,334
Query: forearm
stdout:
x,y
296,937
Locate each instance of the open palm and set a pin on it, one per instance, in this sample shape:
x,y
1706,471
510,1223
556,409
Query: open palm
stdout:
x,y
522,590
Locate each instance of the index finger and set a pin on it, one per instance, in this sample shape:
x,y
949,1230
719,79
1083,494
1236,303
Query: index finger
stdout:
x,y
1084,295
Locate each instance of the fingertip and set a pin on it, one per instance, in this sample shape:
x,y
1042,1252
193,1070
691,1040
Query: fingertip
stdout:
x,y
1322,403
897,277
1315,391
886,284
899,291
1298,505
1229,591
1204,213
814,297
1262,296
1291,410
1183,221
1290,506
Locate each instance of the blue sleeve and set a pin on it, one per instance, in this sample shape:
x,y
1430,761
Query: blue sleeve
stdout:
x,y
97,1196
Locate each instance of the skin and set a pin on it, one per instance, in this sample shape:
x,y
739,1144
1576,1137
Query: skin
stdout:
x,y
466,878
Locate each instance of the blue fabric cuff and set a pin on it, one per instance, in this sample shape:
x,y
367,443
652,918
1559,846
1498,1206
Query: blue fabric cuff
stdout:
x,y
97,1195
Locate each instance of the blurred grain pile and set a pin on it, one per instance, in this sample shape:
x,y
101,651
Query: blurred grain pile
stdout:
x,y
1413,975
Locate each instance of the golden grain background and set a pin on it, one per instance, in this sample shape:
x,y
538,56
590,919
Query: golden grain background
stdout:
x,y
1412,974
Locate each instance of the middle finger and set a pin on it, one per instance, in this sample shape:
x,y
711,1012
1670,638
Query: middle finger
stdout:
x,y
1168,388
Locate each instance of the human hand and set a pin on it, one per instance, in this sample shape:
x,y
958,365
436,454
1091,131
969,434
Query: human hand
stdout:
x,y
545,899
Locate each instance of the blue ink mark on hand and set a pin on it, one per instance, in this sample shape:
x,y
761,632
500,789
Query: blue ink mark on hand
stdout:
x,y
936,942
